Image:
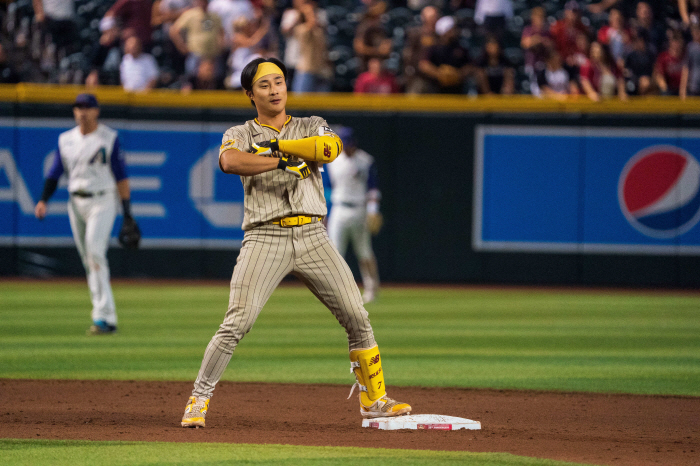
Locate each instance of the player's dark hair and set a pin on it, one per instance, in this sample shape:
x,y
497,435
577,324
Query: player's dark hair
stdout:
x,y
251,68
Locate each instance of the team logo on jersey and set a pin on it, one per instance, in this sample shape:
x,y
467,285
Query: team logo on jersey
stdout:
x,y
100,156
325,130
228,145
659,191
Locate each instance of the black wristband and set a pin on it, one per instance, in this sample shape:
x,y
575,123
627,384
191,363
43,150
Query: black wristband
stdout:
x,y
282,165
126,207
50,186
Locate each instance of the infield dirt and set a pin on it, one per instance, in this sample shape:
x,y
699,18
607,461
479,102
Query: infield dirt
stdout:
x,y
582,427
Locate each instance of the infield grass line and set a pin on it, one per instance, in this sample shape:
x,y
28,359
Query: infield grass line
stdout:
x,y
80,452
567,340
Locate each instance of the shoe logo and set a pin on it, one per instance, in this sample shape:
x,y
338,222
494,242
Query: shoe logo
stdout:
x,y
374,360
371,376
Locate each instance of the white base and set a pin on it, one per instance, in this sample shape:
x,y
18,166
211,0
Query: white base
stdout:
x,y
422,421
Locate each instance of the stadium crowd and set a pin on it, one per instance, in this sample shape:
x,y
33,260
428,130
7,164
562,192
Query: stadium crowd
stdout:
x,y
599,48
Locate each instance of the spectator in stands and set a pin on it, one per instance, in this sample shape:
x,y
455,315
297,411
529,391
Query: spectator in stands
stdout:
x,y
491,15
447,64
205,79
163,14
371,39
495,72
204,36
138,70
376,80
554,81
669,66
536,41
616,36
644,19
600,76
133,17
8,74
56,18
290,19
124,19
246,46
418,40
689,11
314,72
567,29
229,11
690,73
639,65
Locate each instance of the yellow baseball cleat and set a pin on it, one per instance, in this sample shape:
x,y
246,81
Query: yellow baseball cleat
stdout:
x,y
384,407
195,411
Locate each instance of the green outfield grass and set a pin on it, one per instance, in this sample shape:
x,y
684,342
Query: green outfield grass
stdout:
x,y
75,453
523,339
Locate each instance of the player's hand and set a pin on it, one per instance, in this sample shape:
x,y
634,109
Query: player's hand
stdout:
x,y
298,169
40,210
374,223
266,147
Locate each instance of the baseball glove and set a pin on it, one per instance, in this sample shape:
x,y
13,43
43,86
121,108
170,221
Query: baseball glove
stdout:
x,y
374,223
449,76
130,234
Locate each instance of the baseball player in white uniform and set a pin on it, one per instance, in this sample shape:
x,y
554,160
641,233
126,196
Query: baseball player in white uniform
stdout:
x,y
90,156
279,160
354,215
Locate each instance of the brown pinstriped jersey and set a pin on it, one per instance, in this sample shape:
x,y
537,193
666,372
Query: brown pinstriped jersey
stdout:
x,y
275,194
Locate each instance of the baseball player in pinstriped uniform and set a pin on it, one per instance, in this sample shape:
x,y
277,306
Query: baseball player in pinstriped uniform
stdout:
x,y
355,213
279,159
89,154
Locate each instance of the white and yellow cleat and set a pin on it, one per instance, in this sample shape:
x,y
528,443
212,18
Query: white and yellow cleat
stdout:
x,y
366,364
195,411
384,407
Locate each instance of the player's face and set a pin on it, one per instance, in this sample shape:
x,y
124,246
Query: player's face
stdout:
x,y
86,117
270,94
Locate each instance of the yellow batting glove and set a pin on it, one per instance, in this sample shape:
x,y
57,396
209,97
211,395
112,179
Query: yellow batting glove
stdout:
x,y
265,147
298,169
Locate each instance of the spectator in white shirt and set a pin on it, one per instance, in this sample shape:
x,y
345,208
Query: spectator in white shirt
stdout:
x,y
138,71
491,15
229,11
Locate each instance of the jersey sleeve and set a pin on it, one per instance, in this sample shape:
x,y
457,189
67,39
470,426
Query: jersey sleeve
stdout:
x,y
56,169
117,162
234,138
373,178
319,127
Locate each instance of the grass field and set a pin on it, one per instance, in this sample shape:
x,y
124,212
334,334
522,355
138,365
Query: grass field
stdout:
x,y
553,340
627,342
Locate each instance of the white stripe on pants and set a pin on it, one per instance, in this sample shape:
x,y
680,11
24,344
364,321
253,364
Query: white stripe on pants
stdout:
x,y
92,219
268,254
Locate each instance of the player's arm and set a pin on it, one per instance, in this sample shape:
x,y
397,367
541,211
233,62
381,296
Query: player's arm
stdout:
x,y
50,185
323,149
118,165
236,162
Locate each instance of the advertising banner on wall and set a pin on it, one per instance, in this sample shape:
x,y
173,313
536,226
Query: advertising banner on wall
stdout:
x,y
587,190
179,196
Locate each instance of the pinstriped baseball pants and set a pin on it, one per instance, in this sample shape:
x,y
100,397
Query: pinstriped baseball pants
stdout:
x,y
268,254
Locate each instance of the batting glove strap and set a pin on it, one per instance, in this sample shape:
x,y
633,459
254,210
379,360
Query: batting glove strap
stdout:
x,y
298,169
361,387
266,147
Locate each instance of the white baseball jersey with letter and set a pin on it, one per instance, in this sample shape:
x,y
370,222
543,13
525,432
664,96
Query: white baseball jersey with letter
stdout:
x,y
351,178
92,163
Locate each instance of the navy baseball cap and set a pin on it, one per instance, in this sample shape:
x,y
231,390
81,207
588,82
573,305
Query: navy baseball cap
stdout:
x,y
347,135
86,101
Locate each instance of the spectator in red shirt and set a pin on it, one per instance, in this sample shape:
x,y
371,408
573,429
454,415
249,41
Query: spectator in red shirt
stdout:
x,y
669,65
134,18
616,36
600,76
376,80
566,29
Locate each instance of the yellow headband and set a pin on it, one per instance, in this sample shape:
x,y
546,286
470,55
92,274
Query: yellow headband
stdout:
x,y
266,68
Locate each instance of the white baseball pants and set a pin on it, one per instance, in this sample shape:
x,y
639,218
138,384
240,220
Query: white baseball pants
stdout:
x,y
92,219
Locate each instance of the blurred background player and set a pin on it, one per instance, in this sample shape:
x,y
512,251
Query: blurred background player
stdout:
x,y
355,213
90,156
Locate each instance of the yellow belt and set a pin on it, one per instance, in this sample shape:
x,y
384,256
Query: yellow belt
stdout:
x,y
296,221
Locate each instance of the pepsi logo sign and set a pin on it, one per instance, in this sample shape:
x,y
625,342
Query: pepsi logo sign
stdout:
x,y
659,191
